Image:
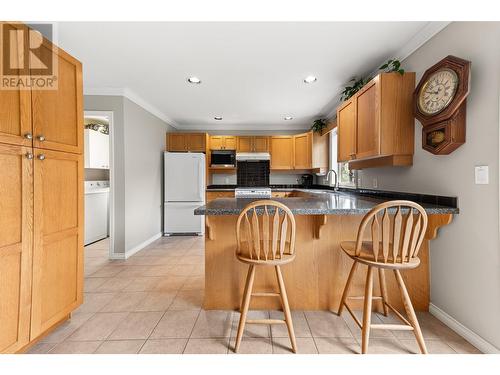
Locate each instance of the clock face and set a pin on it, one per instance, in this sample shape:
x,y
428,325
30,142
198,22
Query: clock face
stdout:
x,y
438,91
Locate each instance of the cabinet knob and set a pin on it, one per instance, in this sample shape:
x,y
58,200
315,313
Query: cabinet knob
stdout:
x,y
41,138
41,157
28,136
29,155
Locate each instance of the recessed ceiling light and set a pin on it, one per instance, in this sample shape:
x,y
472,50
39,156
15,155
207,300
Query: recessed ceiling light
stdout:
x,y
288,118
310,79
218,118
194,80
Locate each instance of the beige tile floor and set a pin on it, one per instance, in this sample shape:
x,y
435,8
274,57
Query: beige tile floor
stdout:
x,y
151,303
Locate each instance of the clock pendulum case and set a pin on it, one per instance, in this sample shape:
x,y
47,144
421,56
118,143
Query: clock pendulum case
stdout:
x,y
440,105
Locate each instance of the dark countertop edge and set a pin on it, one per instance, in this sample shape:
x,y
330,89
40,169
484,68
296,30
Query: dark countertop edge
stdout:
x,y
337,212
438,200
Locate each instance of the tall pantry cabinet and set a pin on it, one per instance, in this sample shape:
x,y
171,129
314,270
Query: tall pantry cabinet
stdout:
x,y
41,201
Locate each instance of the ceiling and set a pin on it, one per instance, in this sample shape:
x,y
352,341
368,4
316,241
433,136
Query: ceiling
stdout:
x,y
252,73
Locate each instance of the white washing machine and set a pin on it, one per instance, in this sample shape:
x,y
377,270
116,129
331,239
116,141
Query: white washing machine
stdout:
x,y
96,211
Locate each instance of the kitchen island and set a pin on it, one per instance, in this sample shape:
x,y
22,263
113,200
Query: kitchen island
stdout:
x,y
316,278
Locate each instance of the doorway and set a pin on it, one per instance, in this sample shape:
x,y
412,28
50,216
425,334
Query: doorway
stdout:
x,y
99,183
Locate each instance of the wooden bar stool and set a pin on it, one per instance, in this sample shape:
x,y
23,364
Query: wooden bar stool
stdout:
x,y
266,237
397,231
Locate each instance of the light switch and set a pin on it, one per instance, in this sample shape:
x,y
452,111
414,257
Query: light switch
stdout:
x,y
482,175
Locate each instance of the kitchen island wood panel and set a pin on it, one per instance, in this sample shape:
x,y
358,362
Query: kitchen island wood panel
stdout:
x,y
315,279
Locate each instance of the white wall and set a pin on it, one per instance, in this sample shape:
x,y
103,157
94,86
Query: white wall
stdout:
x,y
144,146
139,140
465,260
114,104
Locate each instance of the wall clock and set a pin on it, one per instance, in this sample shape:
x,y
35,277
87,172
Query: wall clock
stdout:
x,y
440,104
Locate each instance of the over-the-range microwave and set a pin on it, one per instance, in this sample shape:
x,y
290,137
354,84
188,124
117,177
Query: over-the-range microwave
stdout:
x,y
223,158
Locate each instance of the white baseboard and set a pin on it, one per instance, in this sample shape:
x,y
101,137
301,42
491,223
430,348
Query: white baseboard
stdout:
x,y
476,340
142,245
137,248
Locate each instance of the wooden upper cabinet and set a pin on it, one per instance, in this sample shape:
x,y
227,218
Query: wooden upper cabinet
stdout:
x,y
346,125
176,142
15,108
253,144
320,152
216,142
222,142
261,144
58,114
184,142
282,152
302,155
244,144
376,126
367,121
196,142
57,286
229,142
16,220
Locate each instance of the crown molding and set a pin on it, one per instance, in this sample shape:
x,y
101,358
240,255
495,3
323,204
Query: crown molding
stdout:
x,y
417,41
238,127
134,97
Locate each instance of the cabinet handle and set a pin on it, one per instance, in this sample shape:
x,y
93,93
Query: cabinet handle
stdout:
x,y
29,155
41,157
28,136
41,138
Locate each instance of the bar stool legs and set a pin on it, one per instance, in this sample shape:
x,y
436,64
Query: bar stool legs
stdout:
x,y
247,294
412,317
286,309
367,311
347,287
383,290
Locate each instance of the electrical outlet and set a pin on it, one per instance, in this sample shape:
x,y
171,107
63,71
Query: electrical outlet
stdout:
x,y
359,181
375,183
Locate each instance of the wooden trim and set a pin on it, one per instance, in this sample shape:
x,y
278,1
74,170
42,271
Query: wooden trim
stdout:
x,y
436,222
382,161
330,125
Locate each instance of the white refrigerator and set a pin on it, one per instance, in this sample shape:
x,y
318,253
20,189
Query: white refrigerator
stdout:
x,y
184,184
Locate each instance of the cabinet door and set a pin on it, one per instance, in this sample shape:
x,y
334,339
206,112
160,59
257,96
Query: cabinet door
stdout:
x,y
16,218
282,152
229,143
261,144
196,142
302,144
346,133
58,114
176,142
367,122
245,144
58,238
15,108
216,142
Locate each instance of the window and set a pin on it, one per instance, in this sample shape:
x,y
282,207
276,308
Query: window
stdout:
x,y
346,177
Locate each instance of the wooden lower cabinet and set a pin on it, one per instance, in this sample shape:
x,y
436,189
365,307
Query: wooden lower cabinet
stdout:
x,y
16,220
211,195
58,238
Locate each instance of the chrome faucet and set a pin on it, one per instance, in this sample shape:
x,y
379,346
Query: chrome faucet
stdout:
x,y
336,178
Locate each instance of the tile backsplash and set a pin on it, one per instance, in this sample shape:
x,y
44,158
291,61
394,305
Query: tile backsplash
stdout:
x,y
274,179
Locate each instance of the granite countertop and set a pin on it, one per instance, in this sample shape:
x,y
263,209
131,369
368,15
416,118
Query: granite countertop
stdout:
x,y
317,202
